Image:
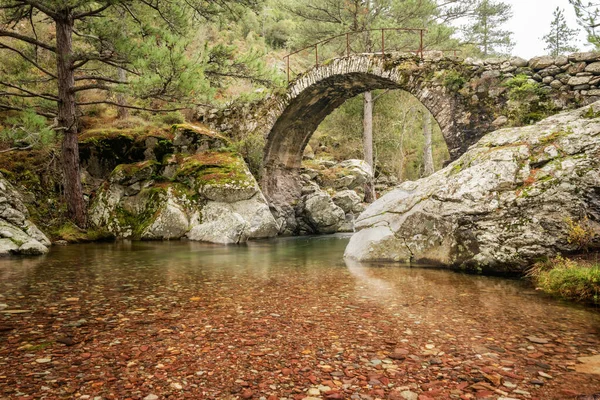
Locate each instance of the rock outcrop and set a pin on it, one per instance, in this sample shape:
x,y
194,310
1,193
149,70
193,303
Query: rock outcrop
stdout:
x,y
515,196
18,235
200,190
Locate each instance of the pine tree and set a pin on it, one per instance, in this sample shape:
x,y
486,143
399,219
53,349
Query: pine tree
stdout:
x,y
55,50
560,36
588,16
485,29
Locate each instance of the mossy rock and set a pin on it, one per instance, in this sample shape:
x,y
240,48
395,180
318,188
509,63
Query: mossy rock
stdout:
x,y
128,174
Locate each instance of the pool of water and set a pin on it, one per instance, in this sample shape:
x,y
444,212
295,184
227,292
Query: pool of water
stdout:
x,y
276,318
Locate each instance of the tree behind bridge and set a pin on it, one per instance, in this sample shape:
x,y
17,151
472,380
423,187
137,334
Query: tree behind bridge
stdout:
x,y
63,48
588,16
485,30
560,36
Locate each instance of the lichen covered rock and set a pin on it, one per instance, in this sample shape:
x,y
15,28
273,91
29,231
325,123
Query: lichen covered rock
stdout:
x,y
511,198
209,195
18,235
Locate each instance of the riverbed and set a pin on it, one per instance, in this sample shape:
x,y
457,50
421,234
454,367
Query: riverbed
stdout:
x,y
278,319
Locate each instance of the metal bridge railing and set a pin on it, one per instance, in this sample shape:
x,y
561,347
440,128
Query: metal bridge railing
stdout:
x,y
381,34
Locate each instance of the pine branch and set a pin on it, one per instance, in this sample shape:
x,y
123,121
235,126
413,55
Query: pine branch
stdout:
x,y
91,87
93,13
45,96
6,107
5,33
35,64
40,6
99,78
16,148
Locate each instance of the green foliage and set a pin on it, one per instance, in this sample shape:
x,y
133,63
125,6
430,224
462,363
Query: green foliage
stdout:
x,y
397,135
252,150
171,118
73,234
581,234
591,114
560,36
454,80
588,15
27,129
528,103
570,279
485,29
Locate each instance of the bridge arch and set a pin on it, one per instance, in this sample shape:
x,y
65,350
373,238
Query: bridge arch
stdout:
x,y
315,94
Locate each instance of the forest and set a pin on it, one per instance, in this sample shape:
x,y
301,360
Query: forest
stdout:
x,y
69,67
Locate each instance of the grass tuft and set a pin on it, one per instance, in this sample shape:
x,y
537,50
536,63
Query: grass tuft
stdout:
x,y
570,279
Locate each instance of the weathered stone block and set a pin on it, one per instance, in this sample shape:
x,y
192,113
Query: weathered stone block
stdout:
x,y
585,56
594,68
539,63
579,80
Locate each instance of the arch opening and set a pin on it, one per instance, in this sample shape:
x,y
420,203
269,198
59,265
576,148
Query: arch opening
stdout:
x,y
399,136
306,107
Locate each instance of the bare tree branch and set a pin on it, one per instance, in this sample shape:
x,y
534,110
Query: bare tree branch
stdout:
x,y
45,96
112,103
93,13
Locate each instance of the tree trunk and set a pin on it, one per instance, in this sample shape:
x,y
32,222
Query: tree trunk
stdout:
x,y
67,120
368,144
427,151
122,112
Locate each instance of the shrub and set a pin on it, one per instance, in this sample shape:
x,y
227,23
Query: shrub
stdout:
x,y
252,148
454,80
528,102
570,279
27,129
171,118
581,234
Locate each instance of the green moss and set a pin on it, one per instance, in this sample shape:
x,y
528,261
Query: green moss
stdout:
x,y
215,168
95,136
73,234
134,168
36,347
454,80
590,113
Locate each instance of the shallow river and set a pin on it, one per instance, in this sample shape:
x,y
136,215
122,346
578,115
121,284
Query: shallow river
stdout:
x,y
278,319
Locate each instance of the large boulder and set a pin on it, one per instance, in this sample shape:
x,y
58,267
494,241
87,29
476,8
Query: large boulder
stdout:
x,y
515,196
18,235
348,174
317,213
208,195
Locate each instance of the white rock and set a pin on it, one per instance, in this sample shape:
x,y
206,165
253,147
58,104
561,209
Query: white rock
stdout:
x,y
497,206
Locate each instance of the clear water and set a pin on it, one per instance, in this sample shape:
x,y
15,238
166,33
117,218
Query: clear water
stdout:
x,y
299,287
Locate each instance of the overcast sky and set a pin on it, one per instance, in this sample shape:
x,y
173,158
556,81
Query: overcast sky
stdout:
x,y
531,21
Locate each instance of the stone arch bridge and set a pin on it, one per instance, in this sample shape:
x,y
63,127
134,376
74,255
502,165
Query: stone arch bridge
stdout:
x,y
468,98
